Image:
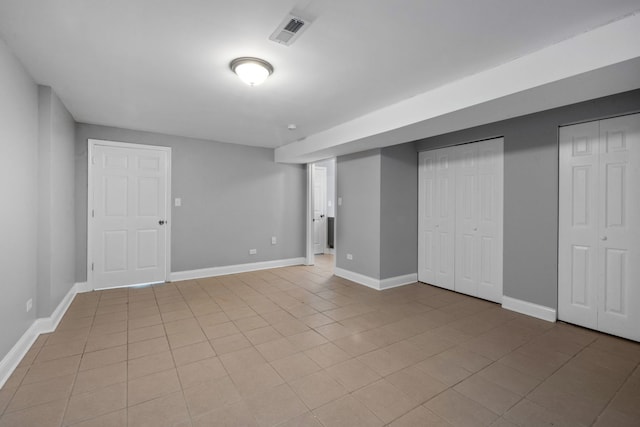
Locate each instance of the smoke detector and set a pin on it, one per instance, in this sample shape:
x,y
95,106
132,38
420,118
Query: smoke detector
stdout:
x,y
289,30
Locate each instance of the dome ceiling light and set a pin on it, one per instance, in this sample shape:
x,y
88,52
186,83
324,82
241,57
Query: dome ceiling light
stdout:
x,y
252,71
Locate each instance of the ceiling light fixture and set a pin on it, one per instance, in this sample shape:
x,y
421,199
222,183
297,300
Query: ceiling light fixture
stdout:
x,y
252,71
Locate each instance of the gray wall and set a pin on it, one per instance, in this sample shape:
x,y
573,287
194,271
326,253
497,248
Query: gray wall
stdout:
x,y
531,189
234,198
399,211
358,218
56,220
19,194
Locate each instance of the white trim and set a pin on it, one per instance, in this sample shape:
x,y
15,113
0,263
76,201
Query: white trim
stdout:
x,y
91,144
11,361
530,309
83,287
394,282
39,326
234,269
358,278
376,284
310,256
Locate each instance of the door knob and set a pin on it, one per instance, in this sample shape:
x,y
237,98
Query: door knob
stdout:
x,y
603,238
161,222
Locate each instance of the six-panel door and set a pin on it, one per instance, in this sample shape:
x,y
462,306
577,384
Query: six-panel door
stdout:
x,y
599,226
128,217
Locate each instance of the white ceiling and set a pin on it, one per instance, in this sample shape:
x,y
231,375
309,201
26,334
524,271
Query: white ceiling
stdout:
x,y
163,65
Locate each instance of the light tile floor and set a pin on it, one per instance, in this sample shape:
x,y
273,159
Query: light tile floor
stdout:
x,y
299,347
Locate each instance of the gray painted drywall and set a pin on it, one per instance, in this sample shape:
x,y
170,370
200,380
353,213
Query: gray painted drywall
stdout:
x,y
234,198
531,189
358,218
399,211
19,194
56,191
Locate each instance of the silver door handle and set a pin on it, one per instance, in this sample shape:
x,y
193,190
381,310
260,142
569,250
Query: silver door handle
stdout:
x,y
162,222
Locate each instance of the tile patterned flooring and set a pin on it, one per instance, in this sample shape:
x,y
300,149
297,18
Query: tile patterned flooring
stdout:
x,y
299,347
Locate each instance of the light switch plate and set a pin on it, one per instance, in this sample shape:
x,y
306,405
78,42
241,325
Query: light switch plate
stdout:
x,y
178,201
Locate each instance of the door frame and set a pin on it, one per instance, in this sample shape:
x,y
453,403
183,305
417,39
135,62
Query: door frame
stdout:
x,y
92,143
324,224
310,231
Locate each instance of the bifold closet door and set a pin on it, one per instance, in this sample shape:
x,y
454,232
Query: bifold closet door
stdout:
x,y
436,213
460,218
599,226
479,212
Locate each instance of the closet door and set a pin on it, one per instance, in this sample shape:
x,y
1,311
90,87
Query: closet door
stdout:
x,y
479,213
436,213
619,227
599,226
467,203
489,216
578,224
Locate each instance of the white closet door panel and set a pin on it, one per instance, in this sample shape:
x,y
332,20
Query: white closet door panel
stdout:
x,y
467,203
445,218
619,227
578,224
426,218
490,218
437,218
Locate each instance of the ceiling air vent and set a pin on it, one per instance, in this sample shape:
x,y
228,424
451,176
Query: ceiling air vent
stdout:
x,y
289,30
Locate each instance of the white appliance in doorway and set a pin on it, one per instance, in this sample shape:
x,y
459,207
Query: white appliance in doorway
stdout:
x,y
128,214
599,225
460,218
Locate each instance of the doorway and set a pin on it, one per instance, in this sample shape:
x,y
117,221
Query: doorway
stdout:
x,y
128,225
321,208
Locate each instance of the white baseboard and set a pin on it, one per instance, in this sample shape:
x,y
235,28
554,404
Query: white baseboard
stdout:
x,y
234,269
376,284
529,308
394,282
39,326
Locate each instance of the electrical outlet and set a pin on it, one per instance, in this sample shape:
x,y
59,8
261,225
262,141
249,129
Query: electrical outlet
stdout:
x,y
274,240
253,251
349,256
29,304
178,202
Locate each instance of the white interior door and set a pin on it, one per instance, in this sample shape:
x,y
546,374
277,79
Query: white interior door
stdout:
x,y
599,226
436,212
319,209
619,227
578,224
128,221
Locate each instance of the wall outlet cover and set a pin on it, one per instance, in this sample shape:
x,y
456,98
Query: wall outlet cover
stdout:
x,y
253,251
